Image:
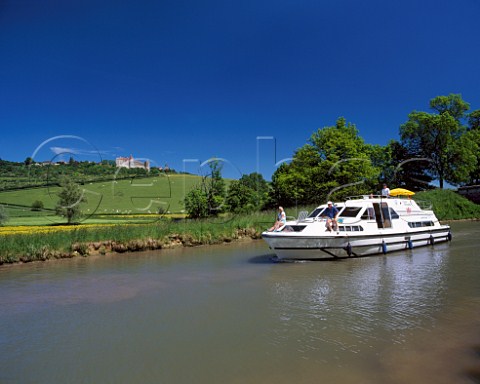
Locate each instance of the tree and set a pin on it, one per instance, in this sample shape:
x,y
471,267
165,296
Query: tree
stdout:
x,y
70,198
3,215
37,205
249,193
334,164
405,171
474,134
437,137
214,187
196,203
453,104
474,120
208,198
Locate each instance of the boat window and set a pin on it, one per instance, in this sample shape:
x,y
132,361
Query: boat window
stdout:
x,y
393,214
350,211
294,228
350,228
417,224
368,214
316,212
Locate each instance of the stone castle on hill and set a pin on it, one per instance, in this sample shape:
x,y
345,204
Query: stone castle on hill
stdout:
x,y
130,162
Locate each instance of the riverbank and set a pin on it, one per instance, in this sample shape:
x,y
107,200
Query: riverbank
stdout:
x,y
41,243
58,242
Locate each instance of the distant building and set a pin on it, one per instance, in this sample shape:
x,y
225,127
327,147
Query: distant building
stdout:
x,y
130,162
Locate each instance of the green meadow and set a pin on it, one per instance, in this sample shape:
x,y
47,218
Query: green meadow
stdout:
x,y
106,200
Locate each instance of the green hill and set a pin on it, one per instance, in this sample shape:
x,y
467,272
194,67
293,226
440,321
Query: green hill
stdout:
x,y
163,192
449,205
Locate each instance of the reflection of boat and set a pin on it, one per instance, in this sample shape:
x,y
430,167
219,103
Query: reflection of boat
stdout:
x,y
367,225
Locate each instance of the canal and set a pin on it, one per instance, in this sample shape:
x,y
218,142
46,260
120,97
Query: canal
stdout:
x,y
229,314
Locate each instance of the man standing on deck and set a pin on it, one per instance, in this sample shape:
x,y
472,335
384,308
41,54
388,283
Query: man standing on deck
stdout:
x,y
385,191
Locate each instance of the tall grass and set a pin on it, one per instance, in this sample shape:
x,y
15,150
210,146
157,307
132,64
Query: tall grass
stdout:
x,y
129,237
449,205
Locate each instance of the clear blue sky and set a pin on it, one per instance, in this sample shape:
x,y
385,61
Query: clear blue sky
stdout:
x,y
181,81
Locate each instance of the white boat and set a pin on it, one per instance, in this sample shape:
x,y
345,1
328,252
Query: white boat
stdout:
x,y
367,225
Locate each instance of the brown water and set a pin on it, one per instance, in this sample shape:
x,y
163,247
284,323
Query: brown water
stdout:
x,y
228,314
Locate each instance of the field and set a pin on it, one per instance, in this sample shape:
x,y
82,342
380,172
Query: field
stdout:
x,y
139,199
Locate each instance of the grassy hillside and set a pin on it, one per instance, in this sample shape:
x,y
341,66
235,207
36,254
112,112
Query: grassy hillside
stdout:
x,y
449,205
131,196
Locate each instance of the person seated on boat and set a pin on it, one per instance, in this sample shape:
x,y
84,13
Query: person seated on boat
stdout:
x,y
281,220
331,213
385,191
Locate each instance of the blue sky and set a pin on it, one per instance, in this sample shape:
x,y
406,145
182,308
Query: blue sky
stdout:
x,y
179,82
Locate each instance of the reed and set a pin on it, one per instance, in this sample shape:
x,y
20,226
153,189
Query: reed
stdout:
x,y
48,242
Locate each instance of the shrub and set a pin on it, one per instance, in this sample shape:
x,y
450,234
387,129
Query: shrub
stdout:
x,y
3,215
37,205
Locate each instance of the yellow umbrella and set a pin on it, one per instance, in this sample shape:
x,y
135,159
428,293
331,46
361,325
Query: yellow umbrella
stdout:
x,y
401,192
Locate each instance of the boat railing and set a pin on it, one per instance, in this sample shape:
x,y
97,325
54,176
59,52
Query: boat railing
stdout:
x,y
365,197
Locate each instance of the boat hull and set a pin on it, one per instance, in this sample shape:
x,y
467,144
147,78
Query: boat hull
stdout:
x,y
334,246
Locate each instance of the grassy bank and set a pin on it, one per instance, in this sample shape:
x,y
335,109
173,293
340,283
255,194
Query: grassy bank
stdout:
x,y
44,242
449,205
24,244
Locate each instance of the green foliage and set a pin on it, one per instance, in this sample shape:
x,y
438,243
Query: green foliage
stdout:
x,y
335,164
248,194
214,188
452,104
37,205
474,120
70,198
3,215
196,203
449,205
404,171
29,247
474,135
440,139
208,198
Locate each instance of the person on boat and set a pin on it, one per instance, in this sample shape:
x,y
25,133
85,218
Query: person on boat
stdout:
x,y
281,220
385,191
331,213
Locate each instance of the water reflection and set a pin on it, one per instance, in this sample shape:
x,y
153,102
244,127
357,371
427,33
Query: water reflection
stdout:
x,y
354,304
232,315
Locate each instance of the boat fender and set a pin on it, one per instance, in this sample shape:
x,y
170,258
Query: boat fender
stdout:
x,y
384,247
449,236
410,244
348,248
432,240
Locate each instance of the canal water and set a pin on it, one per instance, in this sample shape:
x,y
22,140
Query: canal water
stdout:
x,y
228,314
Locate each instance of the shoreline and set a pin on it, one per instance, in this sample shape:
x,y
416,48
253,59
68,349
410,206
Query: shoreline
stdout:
x,y
112,247
148,243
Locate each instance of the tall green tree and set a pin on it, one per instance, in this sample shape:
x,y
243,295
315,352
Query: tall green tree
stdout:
x,y
440,138
334,164
208,198
214,187
248,194
474,134
404,171
71,196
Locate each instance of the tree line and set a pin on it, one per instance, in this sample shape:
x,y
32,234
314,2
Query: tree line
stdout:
x,y
442,144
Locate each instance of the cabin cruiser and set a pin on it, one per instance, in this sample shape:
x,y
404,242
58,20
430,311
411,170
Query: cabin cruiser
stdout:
x,y
366,225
